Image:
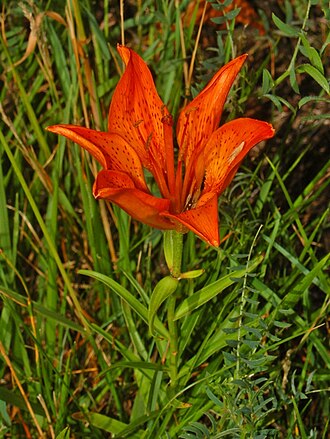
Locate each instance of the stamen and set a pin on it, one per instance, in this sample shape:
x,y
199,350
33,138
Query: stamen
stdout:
x,y
188,204
137,123
193,178
148,142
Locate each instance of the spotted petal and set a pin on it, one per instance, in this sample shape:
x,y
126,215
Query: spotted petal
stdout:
x,y
136,111
119,188
110,150
73,132
227,147
202,220
202,115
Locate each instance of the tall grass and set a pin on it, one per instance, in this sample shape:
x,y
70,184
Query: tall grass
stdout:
x,y
77,358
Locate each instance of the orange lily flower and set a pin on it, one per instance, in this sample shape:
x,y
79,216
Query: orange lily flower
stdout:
x,y
140,135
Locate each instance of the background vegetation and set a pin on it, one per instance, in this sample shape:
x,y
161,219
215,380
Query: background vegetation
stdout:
x,y
76,359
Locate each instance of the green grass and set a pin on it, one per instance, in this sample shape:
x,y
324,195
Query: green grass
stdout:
x,y
77,309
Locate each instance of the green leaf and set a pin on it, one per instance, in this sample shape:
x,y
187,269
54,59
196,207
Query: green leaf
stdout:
x,y
201,428
40,309
230,330
98,35
300,422
278,101
311,53
253,331
164,288
14,398
210,291
253,344
267,81
192,274
64,434
118,428
221,6
60,61
5,243
257,362
232,343
292,298
103,422
293,80
229,357
275,101
213,398
250,315
4,414
286,29
326,43
316,75
141,365
282,324
307,99
226,17
125,351
137,306
241,383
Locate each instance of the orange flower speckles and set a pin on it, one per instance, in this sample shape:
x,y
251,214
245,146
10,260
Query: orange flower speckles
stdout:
x,y
140,135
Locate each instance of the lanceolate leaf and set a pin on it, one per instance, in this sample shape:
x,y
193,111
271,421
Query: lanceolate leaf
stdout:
x,y
285,28
162,291
106,423
137,306
292,298
40,309
316,75
64,434
311,53
209,292
14,398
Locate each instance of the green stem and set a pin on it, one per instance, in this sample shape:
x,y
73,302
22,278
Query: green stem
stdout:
x,y
173,347
173,247
177,254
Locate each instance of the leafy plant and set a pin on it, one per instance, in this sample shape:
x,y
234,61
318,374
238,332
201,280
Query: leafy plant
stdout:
x,y
83,328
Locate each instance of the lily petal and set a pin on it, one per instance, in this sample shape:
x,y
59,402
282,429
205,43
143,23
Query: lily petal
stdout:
x,y
79,135
227,147
119,188
198,120
202,220
110,150
136,111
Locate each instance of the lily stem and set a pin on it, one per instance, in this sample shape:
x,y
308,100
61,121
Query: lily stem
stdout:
x,y
177,248
177,243
173,343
